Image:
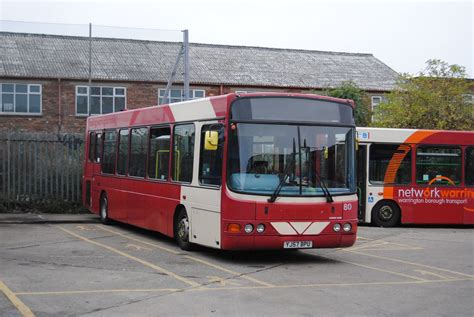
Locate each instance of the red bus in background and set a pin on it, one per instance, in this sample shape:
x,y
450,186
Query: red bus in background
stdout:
x,y
415,176
253,171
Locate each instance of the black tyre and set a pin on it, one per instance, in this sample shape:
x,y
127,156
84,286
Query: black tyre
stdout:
x,y
104,210
386,214
181,230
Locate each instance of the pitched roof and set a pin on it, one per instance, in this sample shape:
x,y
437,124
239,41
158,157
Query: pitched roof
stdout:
x,y
67,57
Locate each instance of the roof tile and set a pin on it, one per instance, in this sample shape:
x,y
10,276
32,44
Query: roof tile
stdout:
x,y
52,56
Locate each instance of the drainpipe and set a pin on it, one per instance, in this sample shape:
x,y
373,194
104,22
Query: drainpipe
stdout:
x,y
60,123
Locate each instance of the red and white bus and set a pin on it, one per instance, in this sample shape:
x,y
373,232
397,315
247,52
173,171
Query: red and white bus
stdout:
x,y
415,176
252,171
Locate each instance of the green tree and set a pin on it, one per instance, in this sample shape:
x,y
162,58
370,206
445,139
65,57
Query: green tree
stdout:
x,y
435,99
349,90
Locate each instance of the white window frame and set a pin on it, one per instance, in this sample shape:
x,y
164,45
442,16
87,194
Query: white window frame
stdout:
x,y
113,96
469,98
192,95
374,103
27,93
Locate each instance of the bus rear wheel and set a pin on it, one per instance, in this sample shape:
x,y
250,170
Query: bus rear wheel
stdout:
x,y
386,214
104,210
181,229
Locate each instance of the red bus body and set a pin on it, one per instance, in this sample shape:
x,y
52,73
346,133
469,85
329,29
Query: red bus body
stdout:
x,y
213,210
437,186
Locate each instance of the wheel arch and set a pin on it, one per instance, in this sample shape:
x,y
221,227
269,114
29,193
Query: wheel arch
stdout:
x,y
385,201
104,215
177,209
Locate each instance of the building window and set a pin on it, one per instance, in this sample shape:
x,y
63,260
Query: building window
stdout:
x,y
376,100
245,91
102,100
469,98
20,98
177,95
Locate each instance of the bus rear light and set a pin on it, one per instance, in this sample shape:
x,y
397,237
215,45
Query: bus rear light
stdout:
x,y
336,227
248,228
233,228
261,228
347,227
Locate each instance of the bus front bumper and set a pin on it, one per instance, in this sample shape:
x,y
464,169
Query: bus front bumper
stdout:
x,y
328,238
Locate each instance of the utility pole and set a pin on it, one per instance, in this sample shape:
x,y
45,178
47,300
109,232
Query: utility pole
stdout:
x,y
184,51
90,71
186,64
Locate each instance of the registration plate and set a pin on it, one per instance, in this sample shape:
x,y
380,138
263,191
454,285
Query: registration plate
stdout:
x,y
297,244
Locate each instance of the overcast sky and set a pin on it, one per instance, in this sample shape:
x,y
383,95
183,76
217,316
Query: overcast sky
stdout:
x,y
403,34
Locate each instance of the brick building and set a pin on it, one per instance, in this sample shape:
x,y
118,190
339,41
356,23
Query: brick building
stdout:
x,y
44,78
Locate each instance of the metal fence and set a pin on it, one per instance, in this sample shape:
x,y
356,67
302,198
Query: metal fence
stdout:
x,y
41,167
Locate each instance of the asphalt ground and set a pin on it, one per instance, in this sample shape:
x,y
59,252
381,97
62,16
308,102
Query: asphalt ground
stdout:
x,y
70,265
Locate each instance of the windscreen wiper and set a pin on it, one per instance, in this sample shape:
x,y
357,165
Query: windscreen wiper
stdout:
x,y
274,196
325,189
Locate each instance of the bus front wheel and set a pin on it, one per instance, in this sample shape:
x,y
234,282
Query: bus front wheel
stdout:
x,y
386,214
104,210
181,229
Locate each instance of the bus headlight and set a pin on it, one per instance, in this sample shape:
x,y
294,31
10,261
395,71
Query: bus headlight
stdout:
x,y
260,228
347,227
248,228
336,227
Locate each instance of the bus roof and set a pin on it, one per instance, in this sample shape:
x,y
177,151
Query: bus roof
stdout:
x,y
209,108
392,135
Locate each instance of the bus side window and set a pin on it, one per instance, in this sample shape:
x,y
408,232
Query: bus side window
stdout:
x,y
122,160
110,149
158,161
470,166
382,155
438,164
92,147
210,162
98,147
183,153
138,148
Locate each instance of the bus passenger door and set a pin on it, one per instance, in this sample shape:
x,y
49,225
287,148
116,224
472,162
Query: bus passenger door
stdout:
x,y
205,198
362,180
